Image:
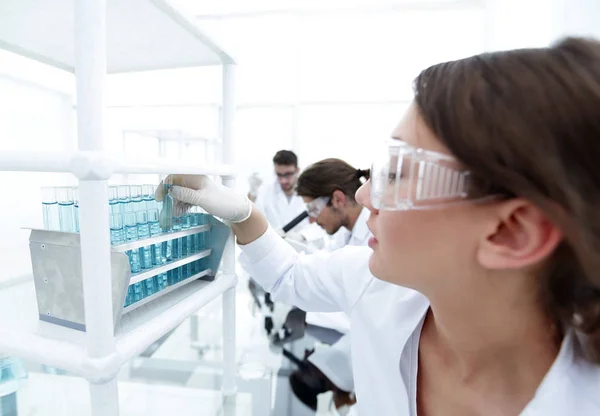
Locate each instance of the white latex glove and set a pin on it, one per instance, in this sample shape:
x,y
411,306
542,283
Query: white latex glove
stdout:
x,y
254,181
216,199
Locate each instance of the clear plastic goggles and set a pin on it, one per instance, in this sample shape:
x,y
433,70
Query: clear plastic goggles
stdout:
x,y
316,206
409,178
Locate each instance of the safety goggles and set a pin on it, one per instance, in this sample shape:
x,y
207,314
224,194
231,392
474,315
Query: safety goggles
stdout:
x,y
408,178
316,206
285,175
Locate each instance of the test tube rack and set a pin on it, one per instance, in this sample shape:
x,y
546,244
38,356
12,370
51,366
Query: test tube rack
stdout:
x,y
57,272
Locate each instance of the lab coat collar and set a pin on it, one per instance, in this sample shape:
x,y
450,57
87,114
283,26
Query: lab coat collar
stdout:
x,y
570,386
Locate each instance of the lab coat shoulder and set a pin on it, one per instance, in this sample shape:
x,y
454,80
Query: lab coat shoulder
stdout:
x,y
265,194
572,385
320,282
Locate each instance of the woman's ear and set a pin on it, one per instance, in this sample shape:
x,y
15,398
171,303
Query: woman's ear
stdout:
x,y
519,235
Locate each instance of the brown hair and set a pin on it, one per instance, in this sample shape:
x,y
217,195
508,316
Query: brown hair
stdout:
x,y
528,121
329,175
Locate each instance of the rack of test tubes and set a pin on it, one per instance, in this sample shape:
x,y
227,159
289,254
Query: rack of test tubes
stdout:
x,y
152,251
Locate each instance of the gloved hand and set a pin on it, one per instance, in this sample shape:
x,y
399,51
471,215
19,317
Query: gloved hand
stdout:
x,y
214,198
254,181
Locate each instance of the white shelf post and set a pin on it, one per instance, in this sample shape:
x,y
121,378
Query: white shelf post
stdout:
x,y
90,71
229,355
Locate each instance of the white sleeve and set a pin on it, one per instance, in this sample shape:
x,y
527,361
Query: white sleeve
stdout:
x,y
320,282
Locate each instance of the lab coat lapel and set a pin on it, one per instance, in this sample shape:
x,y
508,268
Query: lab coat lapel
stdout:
x,y
382,341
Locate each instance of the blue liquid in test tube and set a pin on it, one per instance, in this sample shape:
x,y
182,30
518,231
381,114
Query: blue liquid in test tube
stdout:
x,y
186,246
135,193
201,238
143,233
193,241
148,197
157,255
149,286
161,281
166,222
177,247
166,213
66,208
174,276
113,200
117,235
50,209
186,242
135,291
124,200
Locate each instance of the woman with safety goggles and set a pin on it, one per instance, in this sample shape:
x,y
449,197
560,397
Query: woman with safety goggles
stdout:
x,y
480,293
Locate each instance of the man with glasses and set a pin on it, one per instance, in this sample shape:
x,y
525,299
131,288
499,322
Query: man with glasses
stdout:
x,y
328,188
279,200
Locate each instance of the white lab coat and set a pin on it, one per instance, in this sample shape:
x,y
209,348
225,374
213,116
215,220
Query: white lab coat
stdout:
x,y
336,361
386,326
279,209
359,236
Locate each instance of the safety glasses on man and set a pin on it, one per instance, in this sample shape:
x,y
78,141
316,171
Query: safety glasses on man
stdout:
x,y
316,206
404,178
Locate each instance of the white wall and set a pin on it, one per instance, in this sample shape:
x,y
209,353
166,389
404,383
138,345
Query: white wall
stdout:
x,y
33,116
335,83
534,23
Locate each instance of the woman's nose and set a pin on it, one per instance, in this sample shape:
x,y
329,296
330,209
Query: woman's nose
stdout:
x,y
363,196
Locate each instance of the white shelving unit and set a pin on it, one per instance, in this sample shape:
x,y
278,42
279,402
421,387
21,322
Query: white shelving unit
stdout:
x,y
92,38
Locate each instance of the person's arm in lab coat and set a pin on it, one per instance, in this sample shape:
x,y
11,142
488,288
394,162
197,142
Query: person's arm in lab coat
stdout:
x,y
318,282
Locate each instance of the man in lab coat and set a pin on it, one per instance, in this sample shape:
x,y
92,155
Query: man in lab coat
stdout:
x,y
279,200
328,188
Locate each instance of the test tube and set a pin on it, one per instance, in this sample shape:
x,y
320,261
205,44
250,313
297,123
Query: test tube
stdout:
x,y
148,196
131,234
76,208
202,220
143,233
117,235
50,209
161,281
166,222
135,193
177,247
113,200
193,241
186,242
157,257
166,213
174,276
149,286
64,197
124,199
135,291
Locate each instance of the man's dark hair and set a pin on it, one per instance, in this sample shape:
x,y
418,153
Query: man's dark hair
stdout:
x,y
328,175
285,157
